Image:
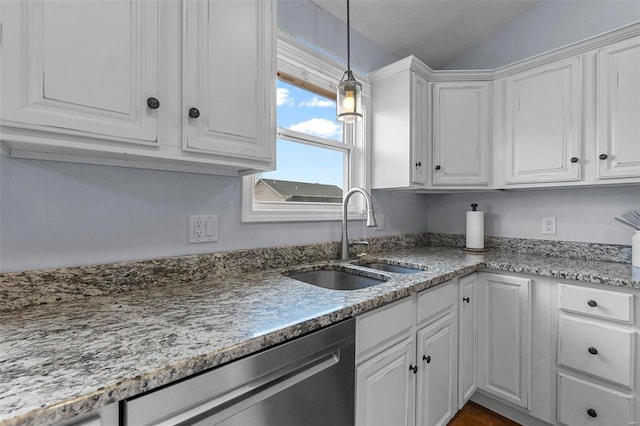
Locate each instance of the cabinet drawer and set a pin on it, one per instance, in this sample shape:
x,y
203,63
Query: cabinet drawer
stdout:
x,y
381,328
583,403
597,303
597,349
434,303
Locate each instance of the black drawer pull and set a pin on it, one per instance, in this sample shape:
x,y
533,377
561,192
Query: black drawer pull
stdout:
x,y
426,358
413,368
592,303
574,159
419,164
603,156
438,167
466,299
592,413
593,351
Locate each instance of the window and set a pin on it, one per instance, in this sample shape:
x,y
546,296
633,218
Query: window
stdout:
x,y
318,158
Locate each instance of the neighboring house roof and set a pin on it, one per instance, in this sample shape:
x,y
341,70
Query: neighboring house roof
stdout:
x,y
303,191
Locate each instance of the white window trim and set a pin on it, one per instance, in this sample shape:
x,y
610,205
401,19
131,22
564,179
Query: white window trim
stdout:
x,y
323,73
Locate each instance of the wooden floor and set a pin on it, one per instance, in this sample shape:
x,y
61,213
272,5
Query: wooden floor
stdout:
x,y
473,414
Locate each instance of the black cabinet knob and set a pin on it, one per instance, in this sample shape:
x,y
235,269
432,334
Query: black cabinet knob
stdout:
x,y
194,112
574,159
426,358
592,303
603,156
592,413
413,368
466,299
419,164
438,167
153,103
593,351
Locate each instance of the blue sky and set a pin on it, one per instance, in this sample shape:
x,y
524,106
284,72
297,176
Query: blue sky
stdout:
x,y
309,113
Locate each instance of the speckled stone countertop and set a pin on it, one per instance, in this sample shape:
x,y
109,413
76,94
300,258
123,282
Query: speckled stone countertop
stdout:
x,y
71,356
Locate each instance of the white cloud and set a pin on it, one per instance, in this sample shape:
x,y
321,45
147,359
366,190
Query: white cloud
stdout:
x,y
283,97
317,102
318,127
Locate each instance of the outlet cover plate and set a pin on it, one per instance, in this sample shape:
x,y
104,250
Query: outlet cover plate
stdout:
x,y
549,225
203,228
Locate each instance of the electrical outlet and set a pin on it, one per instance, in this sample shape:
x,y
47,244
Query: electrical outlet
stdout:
x,y
549,225
203,228
379,222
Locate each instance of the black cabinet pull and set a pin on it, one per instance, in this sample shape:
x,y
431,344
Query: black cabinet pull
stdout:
x,y
438,167
466,299
194,112
426,358
413,368
419,164
574,159
593,351
603,156
592,303
592,413
153,103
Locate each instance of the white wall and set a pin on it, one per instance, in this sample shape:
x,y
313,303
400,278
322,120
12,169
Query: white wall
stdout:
x,y
546,26
60,214
585,214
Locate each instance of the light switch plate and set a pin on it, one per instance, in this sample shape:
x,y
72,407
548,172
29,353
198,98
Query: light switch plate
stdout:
x,y
203,228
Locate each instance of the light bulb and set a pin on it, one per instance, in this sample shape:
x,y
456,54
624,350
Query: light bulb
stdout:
x,y
349,101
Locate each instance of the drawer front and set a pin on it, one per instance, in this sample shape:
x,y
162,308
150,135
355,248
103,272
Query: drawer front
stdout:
x,y
436,302
382,327
597,303
596,349
581,403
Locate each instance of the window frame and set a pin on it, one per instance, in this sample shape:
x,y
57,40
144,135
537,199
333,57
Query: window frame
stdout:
x,y
305,65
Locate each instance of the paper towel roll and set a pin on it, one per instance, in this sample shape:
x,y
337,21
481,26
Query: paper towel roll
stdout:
x,y
475,230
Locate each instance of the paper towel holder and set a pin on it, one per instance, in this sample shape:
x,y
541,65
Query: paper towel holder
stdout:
x,y
474,208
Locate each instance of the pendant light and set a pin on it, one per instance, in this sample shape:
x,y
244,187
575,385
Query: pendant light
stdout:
x,y
349,95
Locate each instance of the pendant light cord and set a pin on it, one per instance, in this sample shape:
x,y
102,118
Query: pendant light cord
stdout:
x,y
348,40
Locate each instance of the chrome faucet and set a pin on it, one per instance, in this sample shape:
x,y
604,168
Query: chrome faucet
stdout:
x,y
371,220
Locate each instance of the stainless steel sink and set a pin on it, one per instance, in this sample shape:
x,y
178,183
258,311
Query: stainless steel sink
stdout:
x,y
388,267
337,279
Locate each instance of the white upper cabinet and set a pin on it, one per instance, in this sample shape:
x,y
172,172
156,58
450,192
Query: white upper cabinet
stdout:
x,y
81,66
618,110
229,78
543,119
399,119
461,133
187,86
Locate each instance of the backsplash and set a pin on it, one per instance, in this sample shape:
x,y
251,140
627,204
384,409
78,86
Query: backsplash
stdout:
x,y
30,288
572,249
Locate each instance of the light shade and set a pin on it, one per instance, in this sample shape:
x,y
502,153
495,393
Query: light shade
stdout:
x,y
349,99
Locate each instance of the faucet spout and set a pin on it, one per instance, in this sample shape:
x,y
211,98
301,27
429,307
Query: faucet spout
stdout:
x,y
371,219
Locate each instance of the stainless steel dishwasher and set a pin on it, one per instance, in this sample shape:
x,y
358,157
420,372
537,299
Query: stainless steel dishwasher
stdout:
x,y
307,381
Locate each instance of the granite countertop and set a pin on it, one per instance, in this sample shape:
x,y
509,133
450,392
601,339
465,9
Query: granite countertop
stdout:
x,y
61,359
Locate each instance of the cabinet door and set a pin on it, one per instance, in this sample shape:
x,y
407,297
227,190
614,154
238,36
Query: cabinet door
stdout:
x,y
81,66
505,337
467,360
543,114
460,133
436,397
419,114
229,78
618,110
385,388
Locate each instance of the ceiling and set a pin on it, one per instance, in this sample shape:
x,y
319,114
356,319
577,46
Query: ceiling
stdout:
x,y
436,31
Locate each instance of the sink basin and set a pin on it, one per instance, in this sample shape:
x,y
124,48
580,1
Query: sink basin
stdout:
x,y
336,279
391,268
388,267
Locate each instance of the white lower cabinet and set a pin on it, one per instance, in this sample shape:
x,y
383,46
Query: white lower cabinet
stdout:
x,y
597,356
408,374
505,337
467,339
